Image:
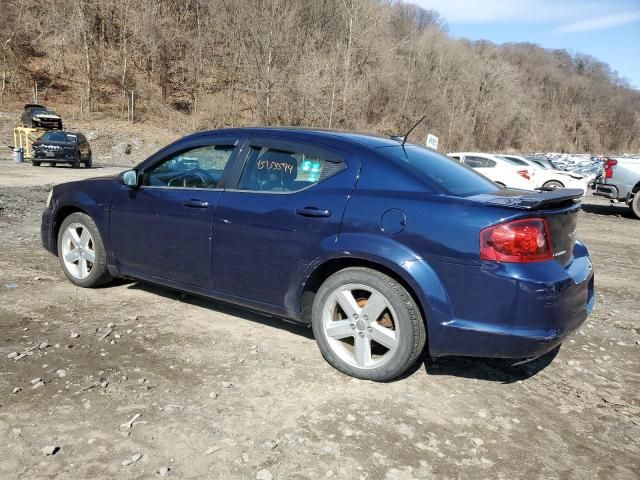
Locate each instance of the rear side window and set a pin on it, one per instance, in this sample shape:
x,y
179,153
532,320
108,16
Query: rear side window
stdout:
x,y
276,170
444,173
478,162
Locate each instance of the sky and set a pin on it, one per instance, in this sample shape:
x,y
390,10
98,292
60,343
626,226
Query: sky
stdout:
x,y
607,30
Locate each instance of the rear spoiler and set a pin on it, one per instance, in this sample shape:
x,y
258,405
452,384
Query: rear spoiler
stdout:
x,y
530,200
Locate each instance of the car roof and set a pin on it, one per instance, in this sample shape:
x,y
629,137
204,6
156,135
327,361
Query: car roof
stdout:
x,y
33,105
363,139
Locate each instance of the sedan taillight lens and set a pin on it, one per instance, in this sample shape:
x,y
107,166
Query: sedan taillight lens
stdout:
x,y
524,173
518,241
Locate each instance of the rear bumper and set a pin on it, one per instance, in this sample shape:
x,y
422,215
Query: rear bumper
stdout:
x,y
608,191
516,310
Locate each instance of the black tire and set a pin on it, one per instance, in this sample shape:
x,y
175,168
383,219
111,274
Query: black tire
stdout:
x,y
553,184
634,205
88,162
412,334
35,164
99,274
76,161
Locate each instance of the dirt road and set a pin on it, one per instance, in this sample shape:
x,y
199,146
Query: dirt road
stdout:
x,y
225,393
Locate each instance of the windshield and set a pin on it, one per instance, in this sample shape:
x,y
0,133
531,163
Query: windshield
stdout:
x,y
543,162
58,137
444,173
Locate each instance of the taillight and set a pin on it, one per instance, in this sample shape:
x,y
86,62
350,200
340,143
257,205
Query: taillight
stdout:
x,y
517,241
608,167
524,173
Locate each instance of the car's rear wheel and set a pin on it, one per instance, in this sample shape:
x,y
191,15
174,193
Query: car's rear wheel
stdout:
x,y
553,184
88,162
35,164
81,251
367,325
76,161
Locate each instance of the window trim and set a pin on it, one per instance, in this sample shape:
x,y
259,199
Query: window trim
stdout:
x,y
236,142
280,144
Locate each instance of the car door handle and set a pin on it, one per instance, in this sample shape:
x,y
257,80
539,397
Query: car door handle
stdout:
x,y
313,212
196,204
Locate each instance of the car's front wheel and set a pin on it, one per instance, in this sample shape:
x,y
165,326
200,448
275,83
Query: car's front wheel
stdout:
x,y
635,204
367,325
81,251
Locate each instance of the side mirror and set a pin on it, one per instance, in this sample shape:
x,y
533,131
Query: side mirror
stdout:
x,y
130,178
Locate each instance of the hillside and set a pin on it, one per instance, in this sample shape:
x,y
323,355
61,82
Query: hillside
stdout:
x,y
353,64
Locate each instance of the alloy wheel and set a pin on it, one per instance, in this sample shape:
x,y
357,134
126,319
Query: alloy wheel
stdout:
x,y
360,326
78,251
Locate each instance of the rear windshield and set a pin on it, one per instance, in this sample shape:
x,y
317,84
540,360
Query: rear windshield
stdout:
x,y
514,161
59,137
444,173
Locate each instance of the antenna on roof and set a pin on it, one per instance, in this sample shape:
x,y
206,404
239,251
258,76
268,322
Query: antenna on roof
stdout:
x,y
406,135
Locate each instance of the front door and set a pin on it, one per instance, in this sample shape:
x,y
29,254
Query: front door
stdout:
x,y
285,212
163,228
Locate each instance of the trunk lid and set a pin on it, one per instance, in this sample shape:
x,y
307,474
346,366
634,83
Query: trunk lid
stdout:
x,y
558,207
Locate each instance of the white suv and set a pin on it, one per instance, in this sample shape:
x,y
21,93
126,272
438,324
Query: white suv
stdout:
x,y
497,169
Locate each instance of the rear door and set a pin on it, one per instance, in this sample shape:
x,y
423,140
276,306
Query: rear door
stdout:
x,y
284,212
163,228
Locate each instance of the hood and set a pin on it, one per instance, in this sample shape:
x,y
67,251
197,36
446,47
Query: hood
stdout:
x,y
46,114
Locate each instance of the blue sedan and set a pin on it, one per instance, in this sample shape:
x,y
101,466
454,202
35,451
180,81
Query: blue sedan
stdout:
x,y
384,247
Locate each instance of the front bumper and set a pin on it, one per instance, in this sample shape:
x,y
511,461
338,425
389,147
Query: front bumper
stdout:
x,y
515,310
54,157
46,232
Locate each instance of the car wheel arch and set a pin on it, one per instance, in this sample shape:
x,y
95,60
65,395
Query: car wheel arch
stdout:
x,y
59,216
416,276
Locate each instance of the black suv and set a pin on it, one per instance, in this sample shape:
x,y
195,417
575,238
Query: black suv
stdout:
x,y
61,147
38,116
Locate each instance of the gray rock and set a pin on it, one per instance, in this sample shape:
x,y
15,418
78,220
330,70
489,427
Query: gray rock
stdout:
x,y
163,471
226,384
74,335
264,474
12,355
43,345
35,381
477,442
50,450
16,390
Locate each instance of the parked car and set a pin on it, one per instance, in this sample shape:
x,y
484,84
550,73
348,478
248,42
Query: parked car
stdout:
x,y
621,182
381,247
548,178
61,147
39,116
501,171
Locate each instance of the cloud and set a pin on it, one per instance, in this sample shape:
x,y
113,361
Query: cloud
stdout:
x,y
523,11
600,23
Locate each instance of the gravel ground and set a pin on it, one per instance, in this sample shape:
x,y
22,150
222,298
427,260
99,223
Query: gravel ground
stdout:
x,y
219,392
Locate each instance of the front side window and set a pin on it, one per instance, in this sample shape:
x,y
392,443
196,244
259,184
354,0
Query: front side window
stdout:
x,y
276,170
200,167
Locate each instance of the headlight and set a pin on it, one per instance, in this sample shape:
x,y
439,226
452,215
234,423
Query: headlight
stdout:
x,y
48,203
